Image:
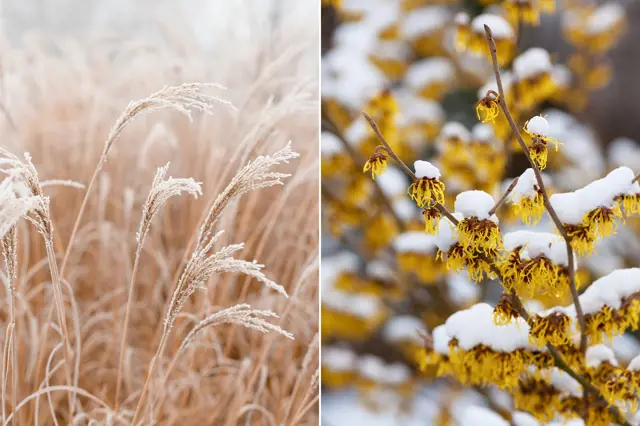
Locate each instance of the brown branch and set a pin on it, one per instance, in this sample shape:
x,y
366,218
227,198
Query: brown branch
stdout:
x,y
504,196
552,213
359,162
559,361
392,154
442,209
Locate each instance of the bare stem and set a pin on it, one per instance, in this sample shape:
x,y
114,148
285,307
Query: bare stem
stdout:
x,y
504,196
442,209
125,325
552,213
59,304
393,155
9,249
152,368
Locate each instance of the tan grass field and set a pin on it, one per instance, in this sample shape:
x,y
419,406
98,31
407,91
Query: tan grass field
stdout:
x,y
61,98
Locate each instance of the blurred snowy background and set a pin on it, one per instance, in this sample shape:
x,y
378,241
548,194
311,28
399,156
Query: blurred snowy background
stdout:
x,y
373,313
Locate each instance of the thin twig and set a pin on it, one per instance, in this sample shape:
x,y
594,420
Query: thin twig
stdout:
x,y
357,159
442,209
552,213
504,196
393,155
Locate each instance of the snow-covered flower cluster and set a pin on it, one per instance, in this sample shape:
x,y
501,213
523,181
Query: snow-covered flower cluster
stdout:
x,y
474,222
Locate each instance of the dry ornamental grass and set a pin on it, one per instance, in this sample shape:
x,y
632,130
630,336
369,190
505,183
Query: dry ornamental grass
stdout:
x,y
134,299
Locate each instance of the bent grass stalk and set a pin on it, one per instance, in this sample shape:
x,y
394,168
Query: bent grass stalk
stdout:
x,y
204,263
161,191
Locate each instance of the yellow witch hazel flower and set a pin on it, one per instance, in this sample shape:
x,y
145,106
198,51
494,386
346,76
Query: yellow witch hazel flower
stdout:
x,y
535,263
488,157
338,367
463,31
548,395
478,231
632,374
595,29
504,312
522,10
479,351
334,157
431,78
612,380
416,253
552,326
502,32
377,163
533,77
456,256
375,373
420,121
592,210
435,351
538,129
431,220
527,199
488,108
611,305
424,28
427,188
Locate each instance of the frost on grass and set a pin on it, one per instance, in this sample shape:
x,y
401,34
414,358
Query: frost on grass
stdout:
x,y
12,207
252,177
203,265
161,190
241,314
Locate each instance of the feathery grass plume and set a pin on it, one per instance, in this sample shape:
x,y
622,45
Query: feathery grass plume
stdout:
x,y
12,208
255,175
204,263
25,173
161,190
9,244
203,266
61,182
241,314
183,98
